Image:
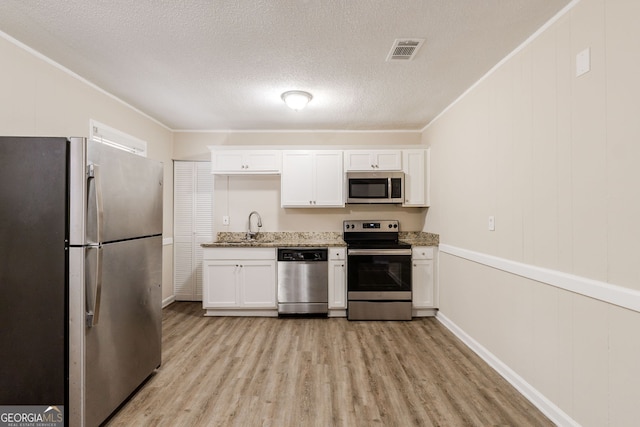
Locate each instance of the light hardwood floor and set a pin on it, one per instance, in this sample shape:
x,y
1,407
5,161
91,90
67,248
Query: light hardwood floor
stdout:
x,y
241,371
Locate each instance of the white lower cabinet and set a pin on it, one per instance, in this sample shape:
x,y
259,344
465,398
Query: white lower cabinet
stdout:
x,y
337,282
239,281
425,292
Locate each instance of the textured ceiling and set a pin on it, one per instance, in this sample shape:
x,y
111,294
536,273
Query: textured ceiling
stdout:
x,y
222,65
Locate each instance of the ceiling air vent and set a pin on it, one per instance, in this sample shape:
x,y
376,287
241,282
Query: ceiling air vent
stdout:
x,y
404,49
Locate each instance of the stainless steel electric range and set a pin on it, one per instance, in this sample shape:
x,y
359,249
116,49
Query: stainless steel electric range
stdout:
x,y
378,271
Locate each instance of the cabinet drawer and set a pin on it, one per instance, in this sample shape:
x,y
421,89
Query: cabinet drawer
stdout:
x,y
422,252
336,253
239,253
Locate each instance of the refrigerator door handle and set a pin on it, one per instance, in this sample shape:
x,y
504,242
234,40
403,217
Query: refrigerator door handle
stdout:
x,y
94,288
93,173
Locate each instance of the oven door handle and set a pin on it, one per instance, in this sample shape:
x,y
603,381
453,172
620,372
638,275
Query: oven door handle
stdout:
x,y
379,252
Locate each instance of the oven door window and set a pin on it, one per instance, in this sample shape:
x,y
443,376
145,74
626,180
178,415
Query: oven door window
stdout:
x,y
368,188
378,273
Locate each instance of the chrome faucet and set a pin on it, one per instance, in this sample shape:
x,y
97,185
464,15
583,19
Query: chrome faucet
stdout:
x,y
251,235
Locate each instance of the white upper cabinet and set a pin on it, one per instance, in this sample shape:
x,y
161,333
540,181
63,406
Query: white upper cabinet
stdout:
x,y
372,160
312,178
232,162
416,177
315,177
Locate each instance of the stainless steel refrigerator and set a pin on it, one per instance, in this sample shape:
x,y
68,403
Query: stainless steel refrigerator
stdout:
x,y
80,275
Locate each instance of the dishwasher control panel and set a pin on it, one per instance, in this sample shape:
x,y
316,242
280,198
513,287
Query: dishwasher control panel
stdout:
x,y
302,254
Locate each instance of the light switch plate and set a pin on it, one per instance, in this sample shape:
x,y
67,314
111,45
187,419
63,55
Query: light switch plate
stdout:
x,y
583,62
492,223
225,220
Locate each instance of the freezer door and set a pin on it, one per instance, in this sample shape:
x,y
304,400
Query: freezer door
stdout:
x,y
123,346
128,188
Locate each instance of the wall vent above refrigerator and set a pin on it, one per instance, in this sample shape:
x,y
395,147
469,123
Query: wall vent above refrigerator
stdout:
x,y
404,49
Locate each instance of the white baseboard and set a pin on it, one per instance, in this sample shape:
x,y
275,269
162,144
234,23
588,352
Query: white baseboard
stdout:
x,y
169,300
242,313
337,313
423,312
547,407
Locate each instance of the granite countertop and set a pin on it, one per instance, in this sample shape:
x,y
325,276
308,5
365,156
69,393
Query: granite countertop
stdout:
x,y
419,238
306,239
277,240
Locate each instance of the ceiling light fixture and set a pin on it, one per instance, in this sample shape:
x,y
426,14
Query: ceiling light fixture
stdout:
x,y
296,99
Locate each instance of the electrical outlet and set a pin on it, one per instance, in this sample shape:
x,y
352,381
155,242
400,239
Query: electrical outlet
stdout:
x,y
225,220
492,223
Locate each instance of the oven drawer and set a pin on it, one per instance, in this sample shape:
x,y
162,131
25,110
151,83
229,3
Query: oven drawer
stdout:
x,y
379,296
379,310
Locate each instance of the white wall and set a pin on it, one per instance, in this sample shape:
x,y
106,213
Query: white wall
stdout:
x,y
40,99
554,158
237,196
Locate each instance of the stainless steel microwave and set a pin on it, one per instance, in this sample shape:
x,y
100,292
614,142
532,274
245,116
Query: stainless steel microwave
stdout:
x,y
375,187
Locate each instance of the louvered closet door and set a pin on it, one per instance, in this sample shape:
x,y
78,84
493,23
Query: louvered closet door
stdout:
x,y
203,219
193,225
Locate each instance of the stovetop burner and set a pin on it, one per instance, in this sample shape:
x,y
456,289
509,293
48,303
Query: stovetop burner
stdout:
x,y
367,234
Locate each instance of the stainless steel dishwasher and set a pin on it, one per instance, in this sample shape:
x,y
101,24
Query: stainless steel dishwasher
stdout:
x,y
303,281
